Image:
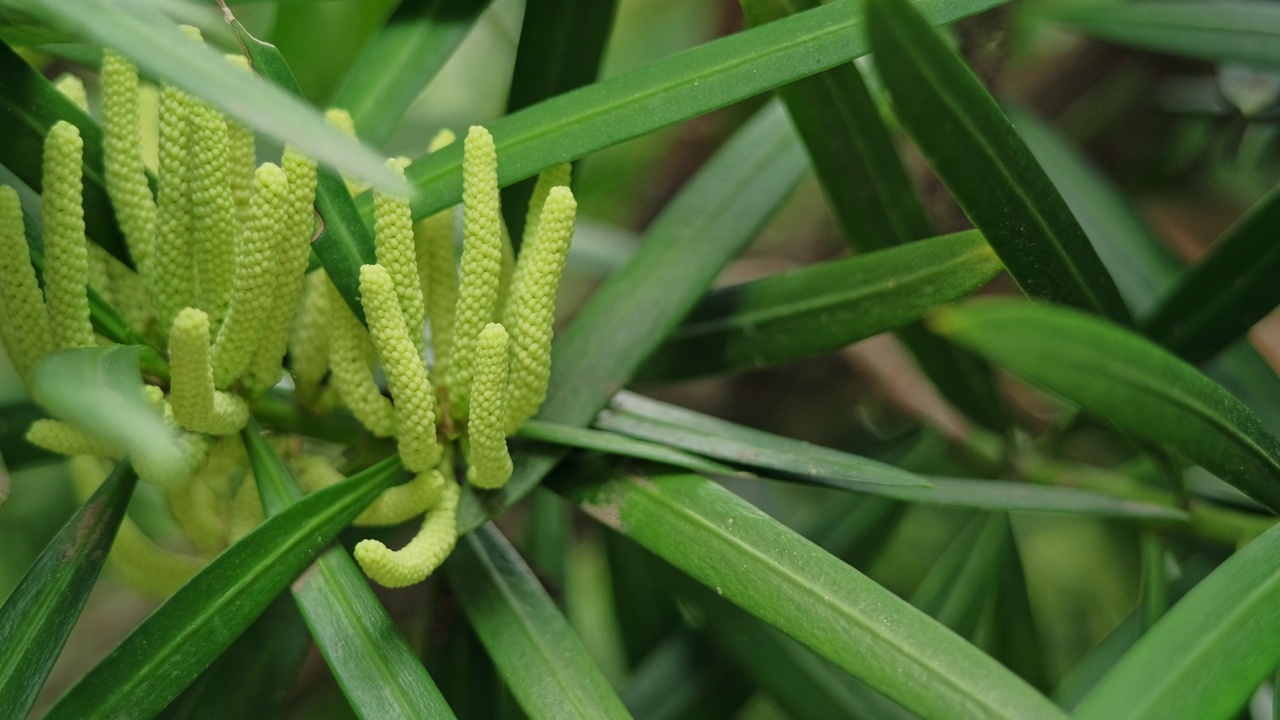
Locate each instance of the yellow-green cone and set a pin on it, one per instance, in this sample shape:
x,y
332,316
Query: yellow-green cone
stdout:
x,y
424,553
350,361
67,439
438,271
531,312
241,158
490,462
73,88
126,177
66,256
24,323
251,296
411,389
214,221
309,338
481,265
170,271
196,404
393,241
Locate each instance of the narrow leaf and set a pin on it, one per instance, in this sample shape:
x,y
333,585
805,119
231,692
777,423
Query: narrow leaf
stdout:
x,y
378,671
607,442
137,30
393,69
100,390
1208,655
1237,31
37,618
822,307
964,577
185,634
975,150
768,570
874,201
1127,380
1216,302
718,213
538,655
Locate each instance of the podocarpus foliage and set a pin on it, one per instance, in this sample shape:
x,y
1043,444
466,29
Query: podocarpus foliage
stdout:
x,y
222,283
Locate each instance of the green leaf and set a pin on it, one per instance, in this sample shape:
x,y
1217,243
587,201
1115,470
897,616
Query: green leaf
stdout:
x,y
964,577
654,96
974,149
185,634
1237,31
538,655
401,60
378,671
345,242
562,43
658,422
856,161
137,30
822,307
1136,385
1222,296
607,442
29,107
100,390
718,213
758,564
1206,657
798,461
37,618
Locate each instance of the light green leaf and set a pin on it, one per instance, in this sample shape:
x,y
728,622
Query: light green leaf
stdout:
x,y
37,618
377,670
822,307
536,652
1137,386
974,149
100,390
1208,655
137,30
760,565
1234,31
184,635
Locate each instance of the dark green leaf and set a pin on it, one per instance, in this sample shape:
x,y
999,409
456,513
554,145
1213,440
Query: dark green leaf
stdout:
x,y
822,307
758,564
686,678
1237,31
1127,380
718,213
975,150
964,577
607,442
137,30
400,60
1221,297
561,46
856,161
184,635
37,618
536,651
29,107
378,671
100,390
1208,655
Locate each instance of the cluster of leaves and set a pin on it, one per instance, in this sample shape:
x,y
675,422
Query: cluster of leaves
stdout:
x,y
782,604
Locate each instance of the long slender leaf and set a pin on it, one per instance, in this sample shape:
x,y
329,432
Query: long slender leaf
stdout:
x,y
401,60
378,671
1234,31
536,651
607,442
1126,379
977,153
822,307
100,390
686,678
1226,293
768,570
37,618
799,461
964,577
561,46
873,199
718,212
138,31
184,635
29,107
1209,653
652,97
